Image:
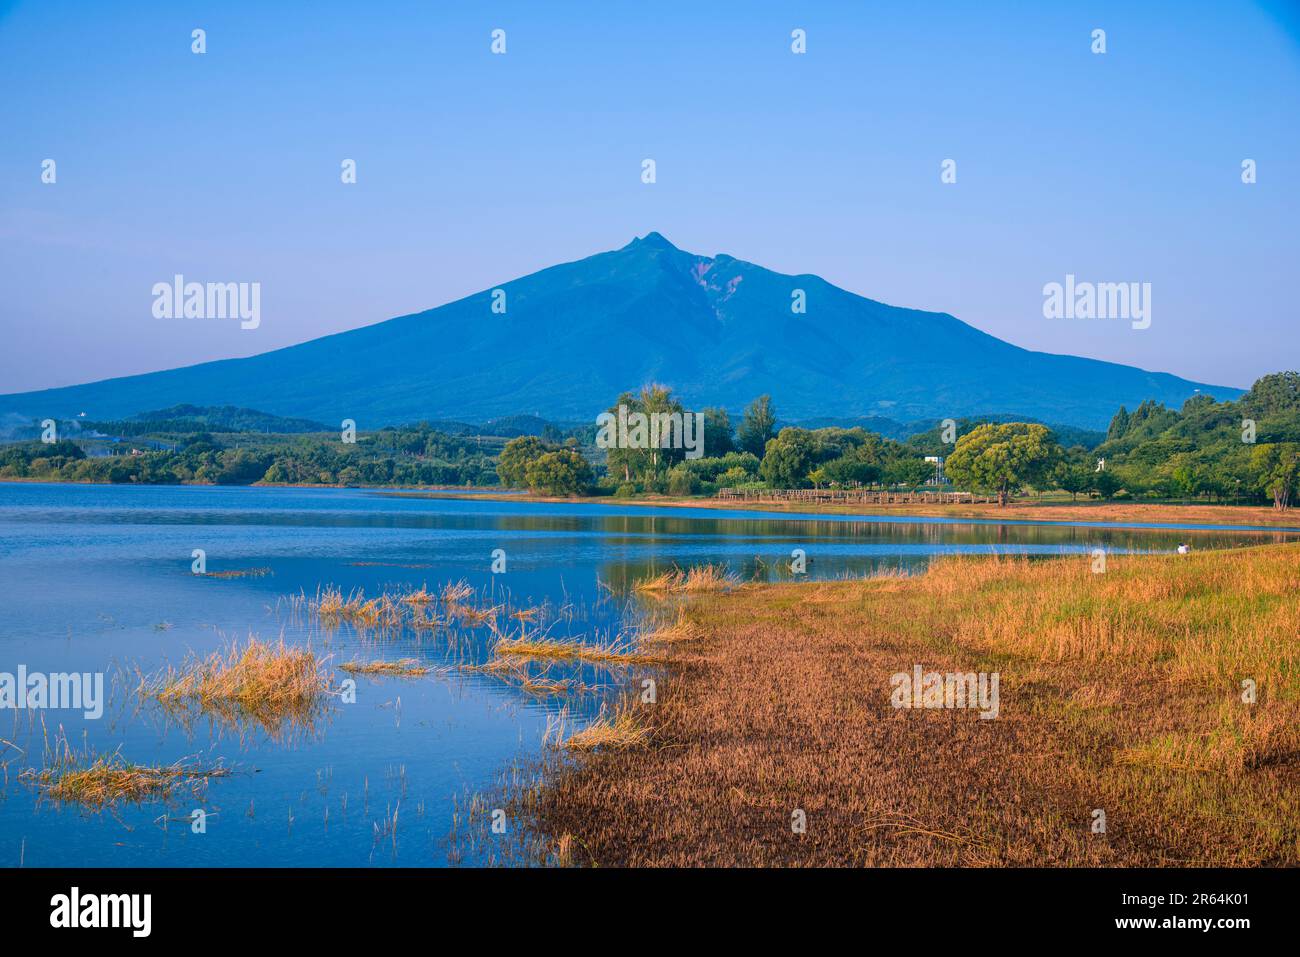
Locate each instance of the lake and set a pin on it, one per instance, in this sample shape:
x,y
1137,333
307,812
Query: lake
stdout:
x,y
99,579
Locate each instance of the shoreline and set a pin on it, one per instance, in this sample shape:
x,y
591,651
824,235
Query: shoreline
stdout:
x,y
462,489
1189,518
1119,693
1213,517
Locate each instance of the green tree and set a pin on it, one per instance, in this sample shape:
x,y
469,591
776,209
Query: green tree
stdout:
x,y
1118,425
639,456
620,460
789,458
682,481
757,427
1185,476
1105,484
1276,466
562,472
516,456
910,472
658,400
1072,477
851,470
241,467
1273,394
718,433
1001,458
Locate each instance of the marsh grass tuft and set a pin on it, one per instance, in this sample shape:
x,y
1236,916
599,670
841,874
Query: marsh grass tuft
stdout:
x,y
406,667
517,674
388,613
678,630
696,579
332,607
622,653
616,729
473,616
100,781
664,582
270,683
456,593
110,780
702,578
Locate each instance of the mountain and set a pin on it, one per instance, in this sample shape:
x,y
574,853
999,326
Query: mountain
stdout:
x,y
719,330
871,423
193,418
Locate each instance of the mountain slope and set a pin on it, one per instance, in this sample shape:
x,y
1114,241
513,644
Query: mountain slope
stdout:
x,y
718,330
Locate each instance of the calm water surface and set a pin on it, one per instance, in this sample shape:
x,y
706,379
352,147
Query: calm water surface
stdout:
x,y
98,579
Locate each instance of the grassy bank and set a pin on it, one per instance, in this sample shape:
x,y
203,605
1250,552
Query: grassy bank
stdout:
x,y
1120,692
1121,513
1126,513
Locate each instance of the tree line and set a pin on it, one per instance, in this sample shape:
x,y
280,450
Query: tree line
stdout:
x,y
406,456
1247,450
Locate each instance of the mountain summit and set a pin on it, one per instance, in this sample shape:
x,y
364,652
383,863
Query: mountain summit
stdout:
x,y
718,330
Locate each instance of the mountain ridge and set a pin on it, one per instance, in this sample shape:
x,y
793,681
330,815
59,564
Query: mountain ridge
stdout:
x,y
574,336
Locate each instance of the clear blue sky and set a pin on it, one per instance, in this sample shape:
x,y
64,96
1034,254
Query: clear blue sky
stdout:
x,y
474,169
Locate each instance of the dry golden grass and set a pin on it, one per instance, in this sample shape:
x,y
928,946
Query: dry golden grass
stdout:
x,y
517,674
473,616
331,606
678,630
698,578
623,654
613,730
564,851
270,683
457,593
544,687
424,620
501,667
406,667
389,613
661,583
702,578
103,781
1120,691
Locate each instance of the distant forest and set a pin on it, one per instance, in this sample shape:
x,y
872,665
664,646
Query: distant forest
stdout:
x,y
1246,450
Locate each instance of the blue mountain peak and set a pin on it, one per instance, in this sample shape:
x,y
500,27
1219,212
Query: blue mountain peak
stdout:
x,y
718,330
652,240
